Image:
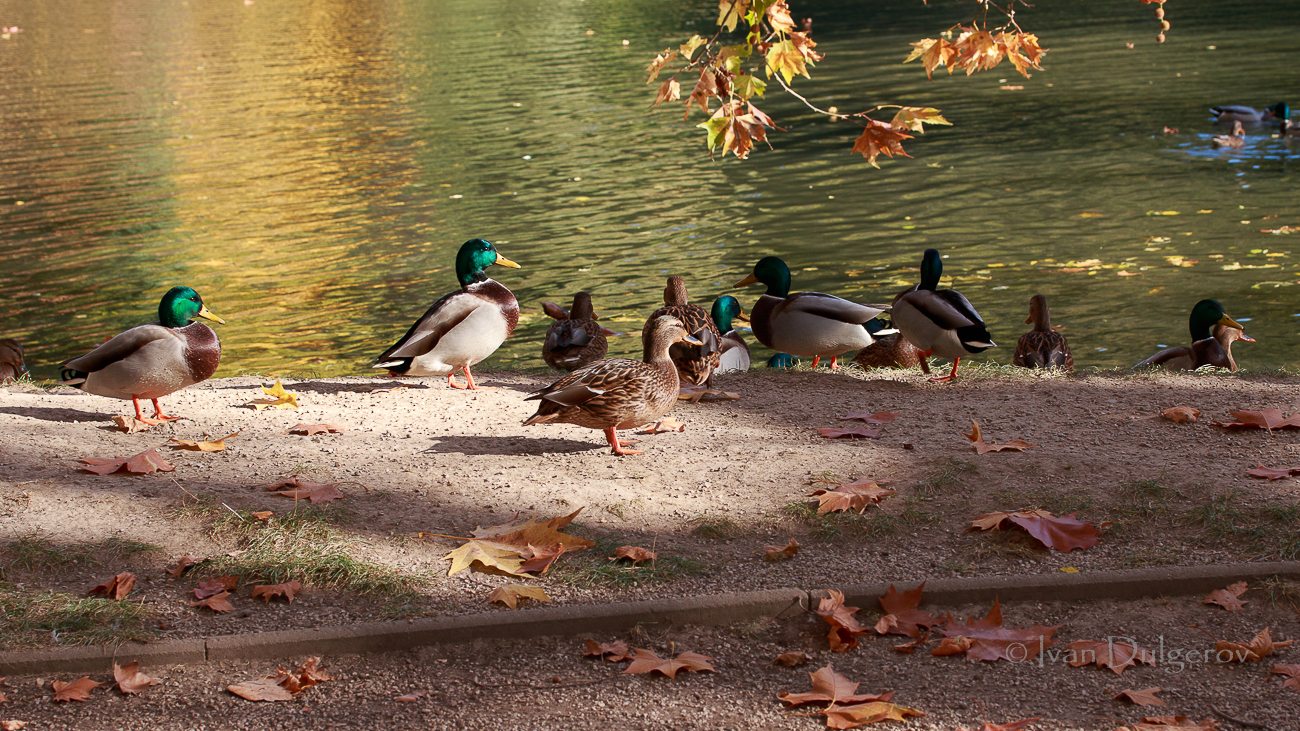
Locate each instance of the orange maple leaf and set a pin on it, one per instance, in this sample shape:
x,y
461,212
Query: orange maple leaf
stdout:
x,y
1261,646
288,590
115,588
77,690
901,614
1144,697
781,553
616,651
845,630
1228,598
1118,656
130,680
646,661
830,687
1291,671
1267,419
990,641
1180,414
217,603
982,447
1259,471
300,489
635,554
877,139
858,495
1065,533
795,659
144,463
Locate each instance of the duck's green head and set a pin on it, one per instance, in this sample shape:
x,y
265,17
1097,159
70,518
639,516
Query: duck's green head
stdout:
x,y
1206,314
931,269
474,256
725,309
770,271
182,304
1281,110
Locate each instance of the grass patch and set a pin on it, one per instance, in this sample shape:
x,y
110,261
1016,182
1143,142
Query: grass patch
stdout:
x,y
37,552
303,545
714,527
1150,556
832,526
1271,530
1008,544
592,568
29,617
951,472
1074,500
1281,592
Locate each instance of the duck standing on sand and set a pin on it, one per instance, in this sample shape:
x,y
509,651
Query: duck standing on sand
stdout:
x,y
1234,113
1042,347
940,322
807,323
11,360
1212,348
695,363
734,353
154,360
618,393
463,327
574,339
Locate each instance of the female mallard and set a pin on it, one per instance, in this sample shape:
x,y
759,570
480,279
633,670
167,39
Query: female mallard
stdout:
x,y
1234,140
891,351
463,327
1249,114
1042,347
807,323
617,393
695,363
574,339
940,321
1212,349
734,350
151,361
11,360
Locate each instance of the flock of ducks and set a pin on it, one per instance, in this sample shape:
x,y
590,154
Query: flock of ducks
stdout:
x,y
681,342
1239,116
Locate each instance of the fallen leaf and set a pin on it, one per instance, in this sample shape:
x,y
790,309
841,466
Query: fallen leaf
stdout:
x,y
505,547
830,687
901,614
212,587
845,629
279,399
850,496
792,659
130,424
781,553
646,661
115,588
282,686
1118,656
1180,414
510,595
12,725
1012,726
263,514
267,592
1065,533
695,394
314,429
1160,723
217,603
1228,598
1267,419
1271,473
981,447
617,651
854,433
214,446
665,424
144,463
952,646
315,492
1261,646
990,641
539,560
1291,671
635,554
78,690
1145,697
129,678
865,713
910,647
411,697
880,417
388,389
182,565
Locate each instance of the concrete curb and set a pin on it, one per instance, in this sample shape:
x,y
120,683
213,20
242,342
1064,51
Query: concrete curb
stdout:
x,y
611,618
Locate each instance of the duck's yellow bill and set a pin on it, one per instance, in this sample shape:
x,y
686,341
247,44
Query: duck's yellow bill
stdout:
x,y
206,315
751,279
506,262
689,339
741,316
1229,322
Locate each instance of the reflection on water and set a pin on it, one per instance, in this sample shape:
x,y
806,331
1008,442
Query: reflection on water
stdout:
x,y
312,167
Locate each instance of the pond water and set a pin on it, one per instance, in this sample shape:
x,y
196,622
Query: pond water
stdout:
x,y
311,167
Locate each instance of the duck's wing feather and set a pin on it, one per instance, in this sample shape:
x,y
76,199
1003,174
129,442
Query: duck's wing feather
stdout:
x,y
121,347
606,377
830,307
1173,358
437,321
555,311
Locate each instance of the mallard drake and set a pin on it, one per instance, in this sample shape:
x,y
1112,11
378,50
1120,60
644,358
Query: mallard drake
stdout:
x,y
807,323
734,350
11,360
574,339
1234,140
1212,348
463,327
940,322
695,363
617,393
1232,113
151,361
1042,347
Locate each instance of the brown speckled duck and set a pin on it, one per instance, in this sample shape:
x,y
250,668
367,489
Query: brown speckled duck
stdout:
x,y
1208,348
1042,347
11,360
891,351
154,360
574,339
617,393
1234,140
695,363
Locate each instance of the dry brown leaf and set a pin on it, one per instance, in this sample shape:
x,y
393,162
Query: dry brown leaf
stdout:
x,y
635,554
1260,647
617,651
212,587
880,417
130,424
646,661
901,614
981,447
12,725
952,646
1292,673
1271,473
1118,656
1012,726
282,686
78,690
411,697
300,489
309,430
845,629
665,424
990,641
217,603
1267,419
865,713
288,590
504,548
1228,598
263,514
1145,697
1065,533
129,678
792,659
1163,723
539,560
144,463
183,564
218,445
857,495
853,432
1180,414
510,595
833,688
781,553
115,588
